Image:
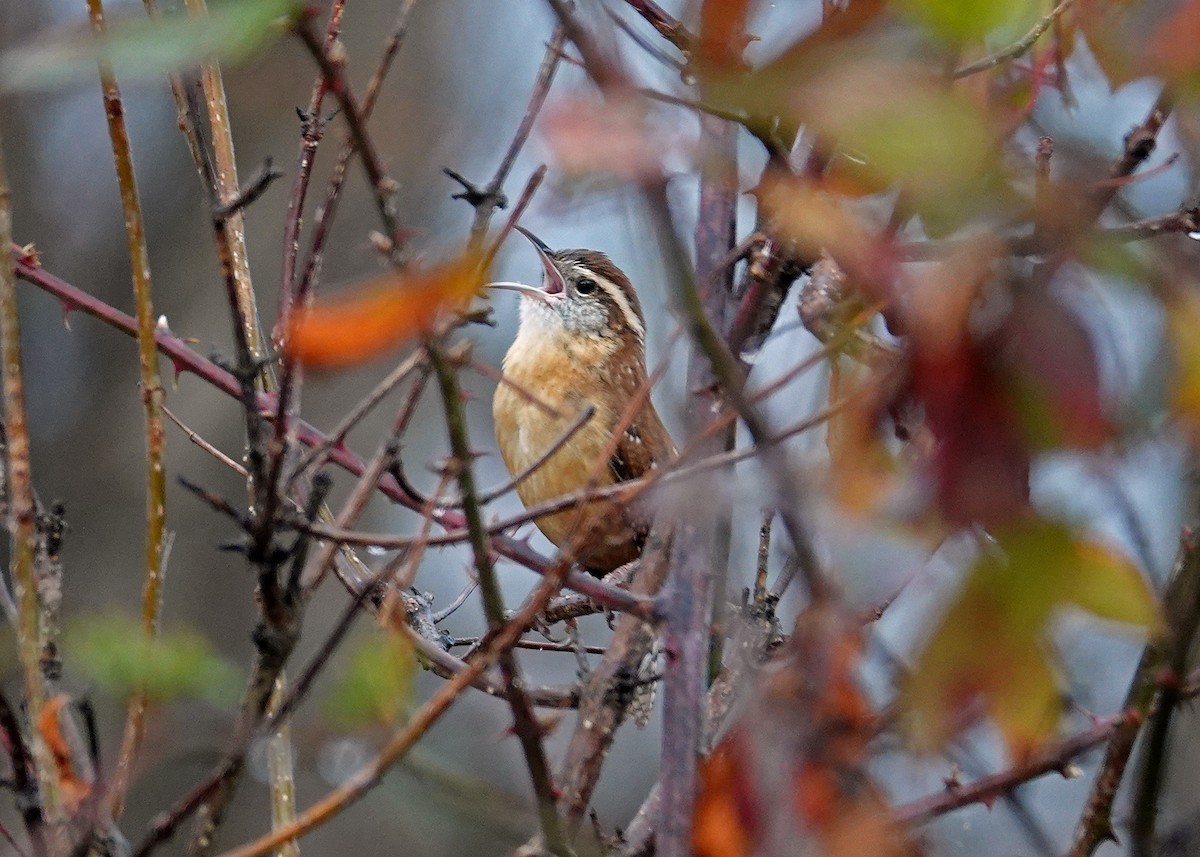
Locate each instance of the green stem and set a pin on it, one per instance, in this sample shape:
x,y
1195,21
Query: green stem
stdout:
x,y
22,519
280,770
524,724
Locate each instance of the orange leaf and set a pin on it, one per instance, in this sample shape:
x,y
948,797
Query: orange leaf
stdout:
x,y
723,30
72,789
726,822
1176,44
380,315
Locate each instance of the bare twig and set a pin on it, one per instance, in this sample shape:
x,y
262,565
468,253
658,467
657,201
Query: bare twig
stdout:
x,y
1055,757
382,187
246,196
280,772
152,400
524,724
1183,621
312,128
380,463
1018,47
317,456
22,518
667,26
205,445
328,208
398,746
531,186
609,690
226,186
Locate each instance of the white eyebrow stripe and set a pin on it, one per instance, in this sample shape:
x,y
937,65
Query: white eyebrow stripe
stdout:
x,y
618,295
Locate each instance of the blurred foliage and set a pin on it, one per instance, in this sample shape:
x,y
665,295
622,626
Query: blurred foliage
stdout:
x,y
113,652
375,687
234,31
993,644
960,21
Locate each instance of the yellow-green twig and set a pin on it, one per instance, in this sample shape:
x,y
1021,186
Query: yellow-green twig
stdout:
x,y
22,516
152,399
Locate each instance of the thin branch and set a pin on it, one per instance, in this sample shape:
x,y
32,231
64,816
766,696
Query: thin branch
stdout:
x,y
359,783
646,45
531,187
186,117
667,26
569,432
365,487
152,401
524,724
22,518
205,445
1182,599
280,772
382,187
1184,220
536,646
1017,48
1054,758
325,212
312,128
491,198
317,456
1183,620
459,600
226,187
609,691
246,196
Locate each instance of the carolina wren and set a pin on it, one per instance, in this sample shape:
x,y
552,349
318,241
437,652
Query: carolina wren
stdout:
x,y
581,342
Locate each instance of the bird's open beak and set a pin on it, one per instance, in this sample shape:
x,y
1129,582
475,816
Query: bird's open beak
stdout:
x,y
555,285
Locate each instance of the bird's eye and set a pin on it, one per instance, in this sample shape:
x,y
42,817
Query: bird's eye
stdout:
x,y
585,286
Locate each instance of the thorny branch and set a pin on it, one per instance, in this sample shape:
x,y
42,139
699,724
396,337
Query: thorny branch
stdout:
x,y
185,359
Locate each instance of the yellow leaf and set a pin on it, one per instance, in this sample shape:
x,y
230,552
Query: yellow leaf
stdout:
x,y
1108,586
1183,327
380,314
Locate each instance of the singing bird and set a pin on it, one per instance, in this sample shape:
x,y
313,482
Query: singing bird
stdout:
x,y
580,343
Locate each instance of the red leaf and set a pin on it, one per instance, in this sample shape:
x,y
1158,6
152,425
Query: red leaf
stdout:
x,y
982,460
1054,379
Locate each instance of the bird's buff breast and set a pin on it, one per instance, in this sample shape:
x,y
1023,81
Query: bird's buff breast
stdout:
x,y
525,431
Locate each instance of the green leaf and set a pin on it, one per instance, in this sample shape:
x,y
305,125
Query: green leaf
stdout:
x,y
376,686
137,47
897,124
964,20
991,648
113,652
